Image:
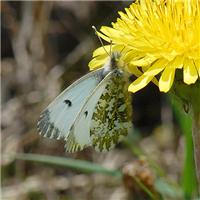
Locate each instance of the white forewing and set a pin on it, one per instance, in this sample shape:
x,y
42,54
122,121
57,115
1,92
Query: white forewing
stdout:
x,y
57,119
80,132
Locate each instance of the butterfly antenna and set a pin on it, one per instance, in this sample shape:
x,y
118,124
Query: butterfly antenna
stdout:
x,y
100,40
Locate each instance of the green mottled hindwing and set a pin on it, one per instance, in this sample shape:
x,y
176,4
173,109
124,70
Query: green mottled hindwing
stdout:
x,y
112,117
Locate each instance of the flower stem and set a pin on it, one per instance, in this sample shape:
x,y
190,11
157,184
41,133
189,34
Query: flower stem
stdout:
x,y
196,143
189,96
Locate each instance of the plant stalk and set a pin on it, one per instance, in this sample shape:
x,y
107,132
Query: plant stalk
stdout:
x,y
196,143
189,96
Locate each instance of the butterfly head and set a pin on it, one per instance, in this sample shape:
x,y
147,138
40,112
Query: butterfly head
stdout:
x,y
114,60
112,63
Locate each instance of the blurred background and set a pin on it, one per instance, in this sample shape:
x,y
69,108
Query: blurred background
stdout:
x,y
45,46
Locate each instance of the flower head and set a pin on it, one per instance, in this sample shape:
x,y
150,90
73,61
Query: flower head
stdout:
x,y
155,39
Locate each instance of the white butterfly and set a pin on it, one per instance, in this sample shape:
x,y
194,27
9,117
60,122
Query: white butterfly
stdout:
x,y
93,111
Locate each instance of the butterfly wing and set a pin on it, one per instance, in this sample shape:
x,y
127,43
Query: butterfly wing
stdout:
x,y
112,116
57,119
105,118
79,136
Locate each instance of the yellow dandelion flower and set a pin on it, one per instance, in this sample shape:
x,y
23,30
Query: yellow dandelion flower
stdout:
x,y
156,38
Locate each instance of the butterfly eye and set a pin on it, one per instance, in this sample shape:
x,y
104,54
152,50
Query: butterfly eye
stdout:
x,y
86,113
68,102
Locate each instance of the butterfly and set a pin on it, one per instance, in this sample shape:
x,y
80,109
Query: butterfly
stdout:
x,y
94,111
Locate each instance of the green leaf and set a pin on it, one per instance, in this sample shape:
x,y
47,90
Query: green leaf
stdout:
x,y
80,165
168,190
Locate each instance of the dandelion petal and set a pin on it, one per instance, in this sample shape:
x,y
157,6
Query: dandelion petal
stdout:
x,y
166,80
139,83
190,74
197,64
156,67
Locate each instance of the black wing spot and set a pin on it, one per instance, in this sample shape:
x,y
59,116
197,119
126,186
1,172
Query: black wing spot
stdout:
x,y
86,113
68,102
